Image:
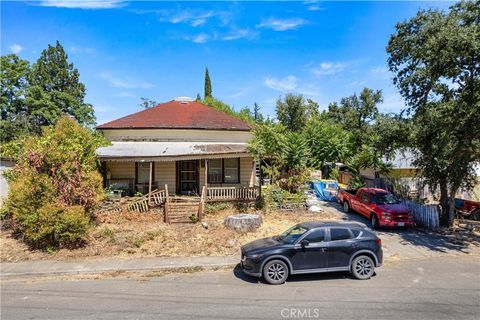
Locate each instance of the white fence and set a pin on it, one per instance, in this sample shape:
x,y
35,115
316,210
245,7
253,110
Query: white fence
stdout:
x,y
426,215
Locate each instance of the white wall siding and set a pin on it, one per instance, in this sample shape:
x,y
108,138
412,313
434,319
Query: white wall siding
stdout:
x,y
176,135
121,170
165,174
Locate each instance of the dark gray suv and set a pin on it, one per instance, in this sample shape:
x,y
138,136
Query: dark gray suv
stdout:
x,y
311,247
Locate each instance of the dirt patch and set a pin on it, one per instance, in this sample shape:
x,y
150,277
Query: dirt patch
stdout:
x,y
145,234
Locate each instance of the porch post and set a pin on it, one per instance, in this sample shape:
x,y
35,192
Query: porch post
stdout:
x,y
206,172
150,182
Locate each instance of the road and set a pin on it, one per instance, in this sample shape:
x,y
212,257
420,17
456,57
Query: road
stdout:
x,y
430,288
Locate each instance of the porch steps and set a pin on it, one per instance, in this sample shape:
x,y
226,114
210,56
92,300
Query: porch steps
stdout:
x,y
183,209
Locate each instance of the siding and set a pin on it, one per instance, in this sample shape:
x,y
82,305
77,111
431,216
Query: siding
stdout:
x,y
165,174
177,135
121,170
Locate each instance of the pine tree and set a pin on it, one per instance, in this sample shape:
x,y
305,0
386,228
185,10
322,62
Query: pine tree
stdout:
x,y
256,113
198,97
55,90
208,84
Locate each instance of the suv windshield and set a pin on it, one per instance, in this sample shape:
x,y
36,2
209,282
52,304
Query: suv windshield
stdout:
x,y
384,198
292,234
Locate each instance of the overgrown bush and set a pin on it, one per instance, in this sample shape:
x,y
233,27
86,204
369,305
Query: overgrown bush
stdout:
x,y
275,197
55,185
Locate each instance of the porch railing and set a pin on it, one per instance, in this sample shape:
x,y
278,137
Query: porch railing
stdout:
x,y
232,193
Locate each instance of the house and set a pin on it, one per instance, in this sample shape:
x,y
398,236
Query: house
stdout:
x,y
182,145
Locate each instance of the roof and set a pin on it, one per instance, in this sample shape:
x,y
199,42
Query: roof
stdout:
x,y
374,190
168,151
317,224
178,114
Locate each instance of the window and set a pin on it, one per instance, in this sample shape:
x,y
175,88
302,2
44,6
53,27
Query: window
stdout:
x,y
224,170
215,171
356,232
365,197
143,172
292,234
231,170
385,198
316,236
339,234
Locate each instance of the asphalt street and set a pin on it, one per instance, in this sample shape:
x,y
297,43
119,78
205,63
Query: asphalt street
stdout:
x,y
429,288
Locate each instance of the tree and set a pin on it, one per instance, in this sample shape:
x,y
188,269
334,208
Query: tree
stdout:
x,y
55,90
147,103
14,83
292,112
55,185
208,85
327,142
357,114
198,97
257,115
435,57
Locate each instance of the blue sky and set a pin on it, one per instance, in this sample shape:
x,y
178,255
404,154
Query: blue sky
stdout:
x,y
255,51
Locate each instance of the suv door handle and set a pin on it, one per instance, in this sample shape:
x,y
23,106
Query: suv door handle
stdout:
x,y
324,249
354,245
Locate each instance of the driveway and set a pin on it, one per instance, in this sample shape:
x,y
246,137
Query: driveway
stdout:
x,y
411,243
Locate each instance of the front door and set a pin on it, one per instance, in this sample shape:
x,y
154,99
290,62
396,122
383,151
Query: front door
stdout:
x,y
188,177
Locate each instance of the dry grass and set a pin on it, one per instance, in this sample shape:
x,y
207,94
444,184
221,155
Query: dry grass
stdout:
x,y
145,234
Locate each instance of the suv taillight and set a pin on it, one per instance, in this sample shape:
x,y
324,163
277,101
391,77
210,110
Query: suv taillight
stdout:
x,y
379,242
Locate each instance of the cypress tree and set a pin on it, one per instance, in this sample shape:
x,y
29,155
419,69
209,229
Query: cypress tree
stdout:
x,y
208,84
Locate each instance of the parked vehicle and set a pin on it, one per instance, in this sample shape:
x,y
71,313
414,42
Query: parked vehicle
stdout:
x,y
313,247
467,209
381,207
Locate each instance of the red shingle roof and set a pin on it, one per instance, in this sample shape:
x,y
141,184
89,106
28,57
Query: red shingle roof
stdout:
x,y
178,115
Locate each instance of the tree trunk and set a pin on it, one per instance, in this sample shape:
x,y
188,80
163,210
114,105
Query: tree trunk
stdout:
x,y
444,204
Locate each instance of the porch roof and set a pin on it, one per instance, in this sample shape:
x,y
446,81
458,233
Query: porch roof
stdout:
x,y
170,151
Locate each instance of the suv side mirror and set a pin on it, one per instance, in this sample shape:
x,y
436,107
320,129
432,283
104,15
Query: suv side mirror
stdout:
x,y
304,243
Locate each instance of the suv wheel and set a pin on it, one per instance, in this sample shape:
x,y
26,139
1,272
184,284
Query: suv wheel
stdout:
x,y
374,221
362,267
346,207
275,272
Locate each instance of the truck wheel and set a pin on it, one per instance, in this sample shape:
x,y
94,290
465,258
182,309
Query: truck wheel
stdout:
x,y
374,220
346,207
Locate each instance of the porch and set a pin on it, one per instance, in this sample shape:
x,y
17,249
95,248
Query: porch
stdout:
x,y
167,172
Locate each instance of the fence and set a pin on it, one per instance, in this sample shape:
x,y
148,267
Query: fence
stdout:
x,y
427,216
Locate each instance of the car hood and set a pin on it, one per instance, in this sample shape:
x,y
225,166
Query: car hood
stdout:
x,y
393,208
260,244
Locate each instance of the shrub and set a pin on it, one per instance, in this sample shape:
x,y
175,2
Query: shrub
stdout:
x,y
55,185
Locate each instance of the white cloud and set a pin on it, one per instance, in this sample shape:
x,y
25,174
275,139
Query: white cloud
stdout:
x,y
198,22
83,4
282,24
380,71
286,84
125,83
15,48
313,5
239,34
328,68
200,38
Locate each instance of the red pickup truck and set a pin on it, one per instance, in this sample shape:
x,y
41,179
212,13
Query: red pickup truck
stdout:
x,y
378,205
